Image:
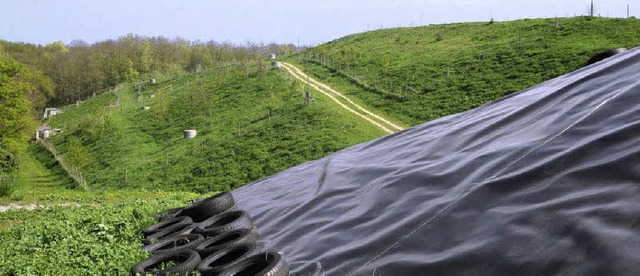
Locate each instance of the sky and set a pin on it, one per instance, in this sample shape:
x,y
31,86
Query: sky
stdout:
x,y
261,21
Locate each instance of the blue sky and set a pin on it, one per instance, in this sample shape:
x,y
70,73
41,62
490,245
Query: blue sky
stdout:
x,y
281,21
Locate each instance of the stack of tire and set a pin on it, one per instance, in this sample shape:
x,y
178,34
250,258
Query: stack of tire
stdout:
x,y
210,236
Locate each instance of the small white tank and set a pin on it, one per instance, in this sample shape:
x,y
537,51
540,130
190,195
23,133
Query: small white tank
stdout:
x,y
189,133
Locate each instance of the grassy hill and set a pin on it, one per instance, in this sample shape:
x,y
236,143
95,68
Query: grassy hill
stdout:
x,y
251,123
423,73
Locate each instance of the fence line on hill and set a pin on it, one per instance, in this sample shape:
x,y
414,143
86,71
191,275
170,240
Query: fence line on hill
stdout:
x,y
70,169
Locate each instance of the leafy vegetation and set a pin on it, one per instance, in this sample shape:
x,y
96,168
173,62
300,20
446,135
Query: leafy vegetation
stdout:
x,y
15,119
100,238
423,73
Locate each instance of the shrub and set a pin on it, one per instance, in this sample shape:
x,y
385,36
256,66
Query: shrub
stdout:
x,y
7,186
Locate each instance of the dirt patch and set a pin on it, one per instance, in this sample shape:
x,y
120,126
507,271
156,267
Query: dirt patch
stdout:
x,y
31,207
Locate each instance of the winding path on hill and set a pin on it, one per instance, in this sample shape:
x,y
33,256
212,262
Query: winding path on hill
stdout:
x,y
342,100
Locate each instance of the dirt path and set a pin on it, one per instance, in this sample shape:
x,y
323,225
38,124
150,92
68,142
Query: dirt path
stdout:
x,y
338,98
32,207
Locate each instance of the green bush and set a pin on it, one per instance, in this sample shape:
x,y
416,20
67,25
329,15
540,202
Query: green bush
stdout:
x,y
7,186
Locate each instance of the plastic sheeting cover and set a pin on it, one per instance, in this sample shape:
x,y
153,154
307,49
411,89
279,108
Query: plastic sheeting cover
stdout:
x,y
542,182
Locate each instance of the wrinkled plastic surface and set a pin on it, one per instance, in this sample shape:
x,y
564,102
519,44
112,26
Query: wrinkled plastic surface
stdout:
x,y
542,182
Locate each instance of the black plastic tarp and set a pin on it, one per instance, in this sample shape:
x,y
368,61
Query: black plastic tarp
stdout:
x,y
542,182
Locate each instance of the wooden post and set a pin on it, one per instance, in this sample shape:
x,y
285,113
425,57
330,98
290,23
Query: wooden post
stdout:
x,y
307,97
126,175
557,23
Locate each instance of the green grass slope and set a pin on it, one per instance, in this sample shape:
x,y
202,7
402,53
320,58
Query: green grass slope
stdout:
x,y
455,67
251,123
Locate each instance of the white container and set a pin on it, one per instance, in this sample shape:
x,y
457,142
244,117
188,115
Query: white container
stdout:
x,y
189,133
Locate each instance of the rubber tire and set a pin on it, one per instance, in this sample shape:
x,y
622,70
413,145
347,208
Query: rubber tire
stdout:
x,y
208,207
604,55
168,232
229,256
264,264
192,259
227,239
224,222
164,245
166,224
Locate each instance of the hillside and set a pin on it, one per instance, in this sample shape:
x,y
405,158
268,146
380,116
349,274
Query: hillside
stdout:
x,y
251,122
423,73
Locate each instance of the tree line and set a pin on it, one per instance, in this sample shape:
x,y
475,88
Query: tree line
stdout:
x,y
35,76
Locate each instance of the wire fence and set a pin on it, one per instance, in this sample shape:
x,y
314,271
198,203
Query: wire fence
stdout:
x,y
70,169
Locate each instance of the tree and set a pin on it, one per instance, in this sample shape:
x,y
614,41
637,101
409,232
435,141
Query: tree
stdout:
x,y
15,119
146,61
76,154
